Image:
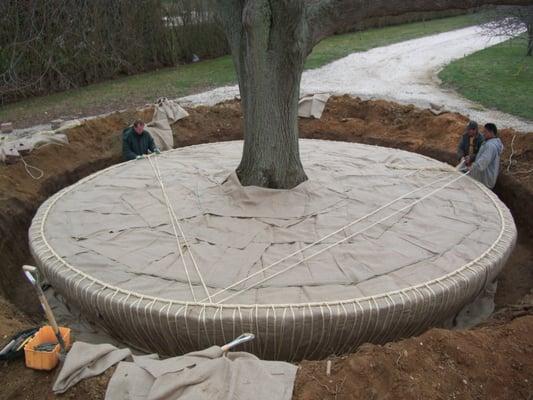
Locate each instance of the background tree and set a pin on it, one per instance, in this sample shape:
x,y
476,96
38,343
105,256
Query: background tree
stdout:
x,y
269,42
511,22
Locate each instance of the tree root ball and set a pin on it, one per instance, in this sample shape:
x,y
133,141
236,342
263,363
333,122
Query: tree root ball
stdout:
x,y
172,254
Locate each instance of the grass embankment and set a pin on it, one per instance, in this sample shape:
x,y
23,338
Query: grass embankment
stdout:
x,y
186,79
498,77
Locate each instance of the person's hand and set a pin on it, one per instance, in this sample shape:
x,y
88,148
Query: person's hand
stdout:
x,y
139,157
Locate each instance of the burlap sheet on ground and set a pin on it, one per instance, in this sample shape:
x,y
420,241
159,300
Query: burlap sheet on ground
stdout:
x,y
206,374
12,146
312,105
109,245
86,360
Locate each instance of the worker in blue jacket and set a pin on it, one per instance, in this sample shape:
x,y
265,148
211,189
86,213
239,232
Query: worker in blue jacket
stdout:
x,y
136,142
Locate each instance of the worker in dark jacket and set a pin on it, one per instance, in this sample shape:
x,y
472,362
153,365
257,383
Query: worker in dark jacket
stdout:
x,y
470,144
136,142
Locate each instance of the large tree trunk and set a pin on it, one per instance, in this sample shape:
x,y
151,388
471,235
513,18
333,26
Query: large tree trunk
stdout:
x,y
269,47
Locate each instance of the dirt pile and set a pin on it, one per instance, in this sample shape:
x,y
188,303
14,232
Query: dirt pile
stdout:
x,y
374,372
489,363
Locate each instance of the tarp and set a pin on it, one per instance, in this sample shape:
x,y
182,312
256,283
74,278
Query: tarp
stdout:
x,y
15,145
86,360
384,266
312,105
207,374
166,112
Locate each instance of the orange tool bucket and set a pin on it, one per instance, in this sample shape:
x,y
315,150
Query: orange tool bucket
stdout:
x,y
45,360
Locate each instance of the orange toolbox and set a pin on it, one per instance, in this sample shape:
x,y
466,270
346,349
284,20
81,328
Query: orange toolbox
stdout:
x,y
45,360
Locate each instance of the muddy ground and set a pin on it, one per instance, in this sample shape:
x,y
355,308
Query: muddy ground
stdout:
x,y
493,361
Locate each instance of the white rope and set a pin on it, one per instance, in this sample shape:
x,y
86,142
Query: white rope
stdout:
x,y
178,243
512,154
415,168
175,222
346,238
328,236
29,168
38,147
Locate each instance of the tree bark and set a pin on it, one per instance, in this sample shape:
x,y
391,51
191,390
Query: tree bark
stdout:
x,y
269,42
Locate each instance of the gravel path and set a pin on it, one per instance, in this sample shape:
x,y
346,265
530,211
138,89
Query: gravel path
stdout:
x,y
405,72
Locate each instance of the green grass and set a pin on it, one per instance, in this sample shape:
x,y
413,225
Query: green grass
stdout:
x,y
186,79
124,92
499,77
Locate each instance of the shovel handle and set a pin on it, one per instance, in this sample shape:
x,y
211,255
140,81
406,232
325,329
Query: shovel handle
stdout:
x,y
245,337
29,271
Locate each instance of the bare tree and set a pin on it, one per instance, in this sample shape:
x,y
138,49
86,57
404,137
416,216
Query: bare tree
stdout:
x,y
511,22
269,42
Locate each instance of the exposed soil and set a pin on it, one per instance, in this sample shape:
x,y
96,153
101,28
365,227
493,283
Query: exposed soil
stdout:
x,y
495,361
488,363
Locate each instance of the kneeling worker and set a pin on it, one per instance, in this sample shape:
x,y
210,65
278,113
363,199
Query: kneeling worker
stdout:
x,y
487,165
136,142
470,144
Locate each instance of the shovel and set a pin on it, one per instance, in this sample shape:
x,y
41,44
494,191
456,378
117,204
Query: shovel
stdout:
x,y
33,276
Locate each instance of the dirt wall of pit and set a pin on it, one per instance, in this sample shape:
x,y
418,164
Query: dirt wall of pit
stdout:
x,y
96,145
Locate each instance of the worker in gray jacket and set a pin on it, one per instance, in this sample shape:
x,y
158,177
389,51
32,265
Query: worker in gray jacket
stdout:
x,y
486,167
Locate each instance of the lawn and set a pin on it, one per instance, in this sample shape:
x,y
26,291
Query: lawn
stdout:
x,y
499,77
187,79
